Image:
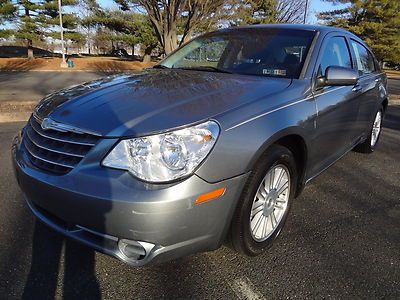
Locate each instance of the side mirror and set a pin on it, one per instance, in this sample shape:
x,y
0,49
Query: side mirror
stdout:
x,y
335,75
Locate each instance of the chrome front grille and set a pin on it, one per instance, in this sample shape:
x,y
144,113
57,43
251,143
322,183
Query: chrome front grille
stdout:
x,y
56,151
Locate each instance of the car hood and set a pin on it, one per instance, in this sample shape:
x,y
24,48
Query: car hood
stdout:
x,y
154,100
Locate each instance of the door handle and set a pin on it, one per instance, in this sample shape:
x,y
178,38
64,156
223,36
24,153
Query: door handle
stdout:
x,y
357,88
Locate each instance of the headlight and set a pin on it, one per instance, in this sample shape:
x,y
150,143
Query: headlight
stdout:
x,y
164,157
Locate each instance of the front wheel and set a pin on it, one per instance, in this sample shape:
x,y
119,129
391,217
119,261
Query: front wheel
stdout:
x,y
370,143
265,202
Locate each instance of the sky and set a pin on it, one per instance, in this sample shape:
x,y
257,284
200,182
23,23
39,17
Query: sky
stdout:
x,y
315,6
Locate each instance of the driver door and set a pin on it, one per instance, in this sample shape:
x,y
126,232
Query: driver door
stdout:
x,y
336,123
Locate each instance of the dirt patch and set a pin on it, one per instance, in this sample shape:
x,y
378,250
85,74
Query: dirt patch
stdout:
x,y
96,64
110,66
20,64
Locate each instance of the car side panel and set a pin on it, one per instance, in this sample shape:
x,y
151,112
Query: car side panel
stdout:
x,y
369,101
336,126
247,132
373,90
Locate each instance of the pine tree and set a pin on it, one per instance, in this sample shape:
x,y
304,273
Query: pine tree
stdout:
x,y
268,11
377,22
7,13
29,24
36,20
70,21
255,12
126,27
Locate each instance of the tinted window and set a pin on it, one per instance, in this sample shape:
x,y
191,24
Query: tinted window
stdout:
x,y
255,51
364,59
335,53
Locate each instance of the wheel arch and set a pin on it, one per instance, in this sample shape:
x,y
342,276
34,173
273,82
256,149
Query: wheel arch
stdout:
x,y
385,104
293,139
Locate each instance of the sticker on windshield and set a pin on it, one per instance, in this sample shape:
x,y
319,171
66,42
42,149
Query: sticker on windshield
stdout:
x,y
277,72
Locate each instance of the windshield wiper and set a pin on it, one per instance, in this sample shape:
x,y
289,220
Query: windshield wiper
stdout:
x,y
160,67
205,68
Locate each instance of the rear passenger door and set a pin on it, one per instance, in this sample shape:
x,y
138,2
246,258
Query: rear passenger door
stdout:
x,y
337,106
368,84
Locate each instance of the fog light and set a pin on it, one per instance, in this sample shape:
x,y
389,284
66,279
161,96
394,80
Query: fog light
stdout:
x,y
131,249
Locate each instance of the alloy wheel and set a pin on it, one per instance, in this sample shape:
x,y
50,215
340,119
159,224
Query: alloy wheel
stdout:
x,y
376,128
270,203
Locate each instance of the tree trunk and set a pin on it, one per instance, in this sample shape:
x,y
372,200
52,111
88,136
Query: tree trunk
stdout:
x,y
88,40
146,58
147,54
30,49
170,40
29,41
187,37
133,52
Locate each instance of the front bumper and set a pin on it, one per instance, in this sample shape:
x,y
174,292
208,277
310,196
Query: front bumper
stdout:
x,y
107,209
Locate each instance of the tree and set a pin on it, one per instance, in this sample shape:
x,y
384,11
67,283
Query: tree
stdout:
x,y
146,37
127,27
29,24
70,21
36,20
7,11
268,11
87,9
166,17
377,22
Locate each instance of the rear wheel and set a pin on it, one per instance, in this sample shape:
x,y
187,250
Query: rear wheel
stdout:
x,y
265,202
370,143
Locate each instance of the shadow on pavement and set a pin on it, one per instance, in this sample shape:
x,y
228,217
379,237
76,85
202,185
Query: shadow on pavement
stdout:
x,y
79,278
392,118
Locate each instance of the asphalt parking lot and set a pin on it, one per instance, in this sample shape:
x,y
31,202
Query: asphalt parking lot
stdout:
x,y
28,86
342,240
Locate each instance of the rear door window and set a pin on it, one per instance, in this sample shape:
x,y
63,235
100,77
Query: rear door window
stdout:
x,y
335,53
364,59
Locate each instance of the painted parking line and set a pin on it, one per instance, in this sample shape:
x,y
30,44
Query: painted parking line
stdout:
x,y
244,289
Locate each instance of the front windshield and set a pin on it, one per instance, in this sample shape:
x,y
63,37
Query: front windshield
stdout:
x,y
249,51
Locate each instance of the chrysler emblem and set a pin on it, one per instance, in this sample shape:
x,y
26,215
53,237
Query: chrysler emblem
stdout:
x,y
48,123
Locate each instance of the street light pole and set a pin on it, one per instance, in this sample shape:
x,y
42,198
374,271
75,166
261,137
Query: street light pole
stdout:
x,y
305,12
63,62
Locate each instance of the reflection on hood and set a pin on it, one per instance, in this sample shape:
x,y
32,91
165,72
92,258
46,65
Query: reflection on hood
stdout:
x,y
153,100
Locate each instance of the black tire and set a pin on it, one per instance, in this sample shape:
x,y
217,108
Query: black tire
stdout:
x,y
240,233
366,147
